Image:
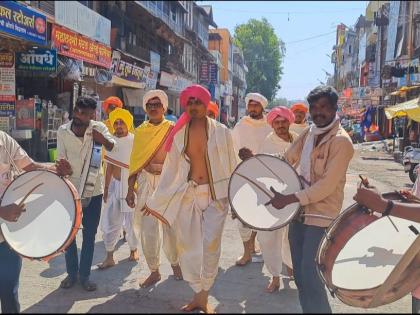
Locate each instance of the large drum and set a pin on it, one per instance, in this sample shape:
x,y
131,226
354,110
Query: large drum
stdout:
x,y
52,217
249,190
367,260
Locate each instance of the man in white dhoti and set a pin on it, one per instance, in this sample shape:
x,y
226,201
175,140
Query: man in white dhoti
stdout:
x,y
115,212
249,133
192,194
146,163
275,244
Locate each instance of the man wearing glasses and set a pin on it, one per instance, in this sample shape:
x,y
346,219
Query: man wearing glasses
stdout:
x,y
146,163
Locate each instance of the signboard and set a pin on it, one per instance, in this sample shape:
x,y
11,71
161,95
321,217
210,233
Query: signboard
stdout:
x,y
25,114
155,61
166,79
37,60
204,71
79,18
213,73
23,22
80,47
7,84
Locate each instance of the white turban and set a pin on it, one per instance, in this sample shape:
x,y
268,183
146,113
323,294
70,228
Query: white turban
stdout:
x,y
257,97
156,93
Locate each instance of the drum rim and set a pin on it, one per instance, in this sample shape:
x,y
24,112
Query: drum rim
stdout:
x,y
331,287
73,221
233,208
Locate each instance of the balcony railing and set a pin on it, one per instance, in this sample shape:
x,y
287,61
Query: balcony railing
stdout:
x,y
157,12
138,52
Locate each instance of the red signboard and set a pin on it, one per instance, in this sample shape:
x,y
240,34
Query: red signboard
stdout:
x,y
25,114
79,47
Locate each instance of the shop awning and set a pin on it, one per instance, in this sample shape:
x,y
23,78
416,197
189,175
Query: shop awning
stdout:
x,y
410,108
126,83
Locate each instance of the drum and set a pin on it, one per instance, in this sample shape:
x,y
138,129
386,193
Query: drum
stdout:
x,y
52,217
249,190
367,260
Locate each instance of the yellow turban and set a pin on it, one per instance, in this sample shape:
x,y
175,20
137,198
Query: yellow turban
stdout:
x,y
122,114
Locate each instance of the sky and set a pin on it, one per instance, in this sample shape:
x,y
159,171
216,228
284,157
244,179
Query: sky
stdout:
x,y
306,27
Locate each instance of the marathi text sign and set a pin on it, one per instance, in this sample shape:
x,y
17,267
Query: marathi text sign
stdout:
x,y
7,84
21,21
37,60
80,47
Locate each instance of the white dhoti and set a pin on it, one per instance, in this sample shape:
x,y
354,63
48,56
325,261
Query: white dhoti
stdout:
x,y
113,219
275,249
199,227
148,228
244,231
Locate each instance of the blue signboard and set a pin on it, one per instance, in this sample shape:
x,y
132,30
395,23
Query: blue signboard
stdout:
x,y
23,22
37,60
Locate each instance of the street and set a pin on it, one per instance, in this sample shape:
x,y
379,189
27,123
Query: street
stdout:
x,y
237,290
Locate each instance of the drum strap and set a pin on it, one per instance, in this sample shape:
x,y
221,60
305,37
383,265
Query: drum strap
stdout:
x,y
12,162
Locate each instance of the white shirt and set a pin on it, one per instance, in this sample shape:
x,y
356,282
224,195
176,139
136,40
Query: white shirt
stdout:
x,y
75,150
8,145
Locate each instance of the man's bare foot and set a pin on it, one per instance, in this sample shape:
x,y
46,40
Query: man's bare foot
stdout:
x,y
290,273
177,272
107,263
134,255
200,301
151,280
273,286
244,260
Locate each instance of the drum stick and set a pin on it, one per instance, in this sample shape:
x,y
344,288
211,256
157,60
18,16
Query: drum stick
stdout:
x,y
28,194
28,181
269,169
365,183
258,186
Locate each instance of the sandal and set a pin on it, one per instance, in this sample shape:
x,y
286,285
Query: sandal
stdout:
x,y
68,282
88,285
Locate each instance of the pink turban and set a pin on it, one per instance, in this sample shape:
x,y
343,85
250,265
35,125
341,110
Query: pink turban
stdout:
x,y
193,91
280,111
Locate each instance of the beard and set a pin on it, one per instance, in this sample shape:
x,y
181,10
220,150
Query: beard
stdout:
x,y
78,123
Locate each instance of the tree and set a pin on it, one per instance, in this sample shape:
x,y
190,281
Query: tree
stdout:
x,y
263,53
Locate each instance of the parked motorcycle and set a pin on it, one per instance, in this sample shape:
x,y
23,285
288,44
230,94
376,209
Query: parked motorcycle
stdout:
x,y
411,161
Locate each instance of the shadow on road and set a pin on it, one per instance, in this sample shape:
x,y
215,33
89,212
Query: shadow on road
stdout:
x,y
57,265
109,283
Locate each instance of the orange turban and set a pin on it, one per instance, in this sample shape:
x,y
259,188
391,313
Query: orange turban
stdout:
x,y
112,100
214,108
299,107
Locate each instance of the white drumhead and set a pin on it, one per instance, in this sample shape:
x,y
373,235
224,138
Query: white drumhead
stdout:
x,y
370,255
247,200
49,217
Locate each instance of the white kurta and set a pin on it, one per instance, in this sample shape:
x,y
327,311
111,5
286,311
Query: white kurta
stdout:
x,y
197,212
148,228
298,128
275,244
249,133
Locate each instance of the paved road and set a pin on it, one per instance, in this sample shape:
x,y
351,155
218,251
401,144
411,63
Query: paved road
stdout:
x,y
237,290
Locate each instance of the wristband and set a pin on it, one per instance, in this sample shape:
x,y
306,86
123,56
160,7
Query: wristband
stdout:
x,y
388,208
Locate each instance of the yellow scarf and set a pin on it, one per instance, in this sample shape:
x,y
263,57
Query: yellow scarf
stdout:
x,y
148,139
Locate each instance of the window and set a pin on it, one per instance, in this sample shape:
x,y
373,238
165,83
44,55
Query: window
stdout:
x,y
173,12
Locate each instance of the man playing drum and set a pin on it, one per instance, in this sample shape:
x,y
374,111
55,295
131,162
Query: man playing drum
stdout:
x,y
116,214
146,163
13,158
372,199
73,142
299,110
249,132
192,193
321,155
275,244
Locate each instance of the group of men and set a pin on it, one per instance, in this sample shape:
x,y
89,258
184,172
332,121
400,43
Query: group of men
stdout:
x,y
166,184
